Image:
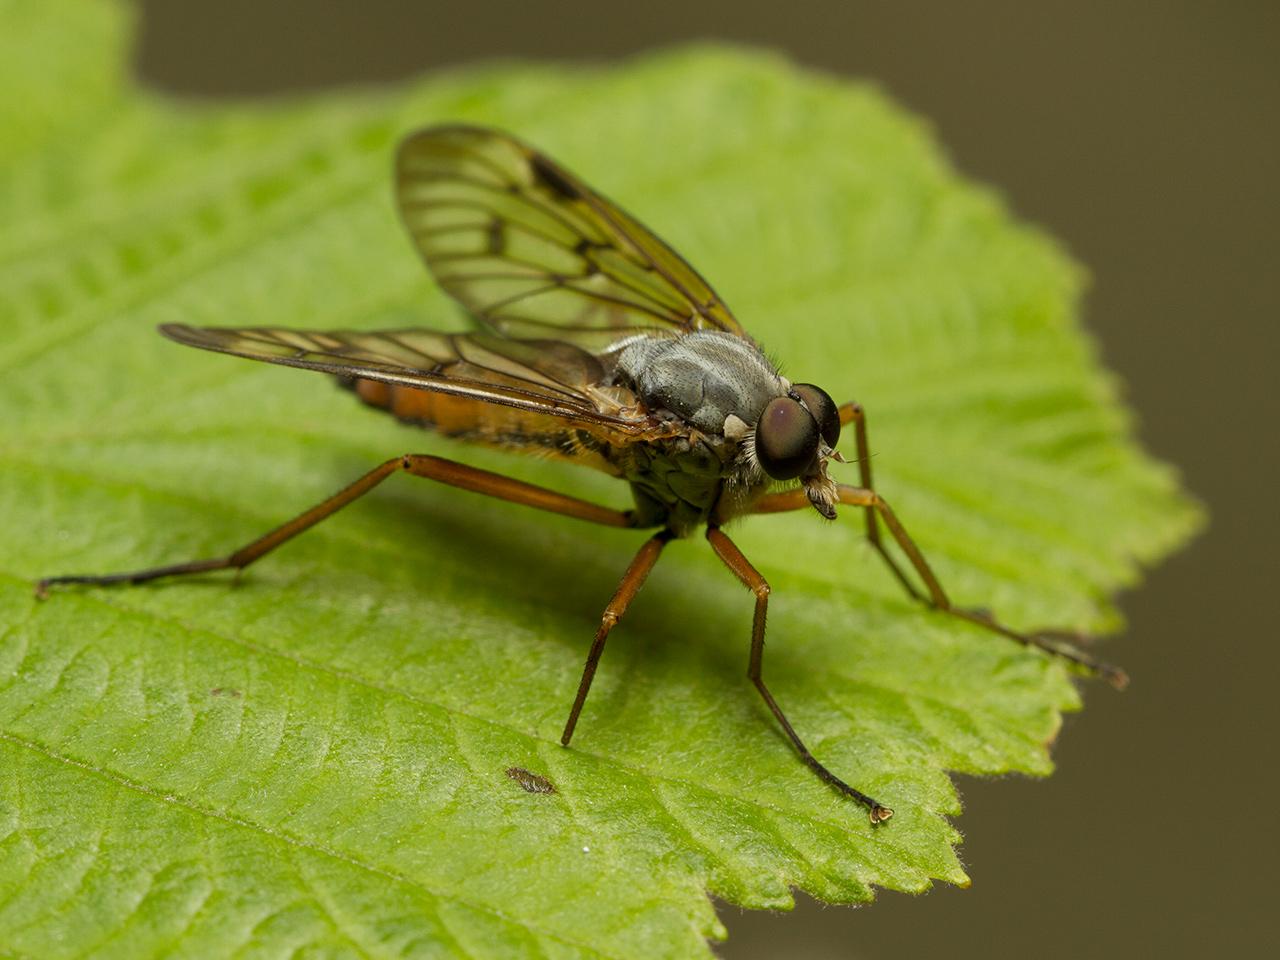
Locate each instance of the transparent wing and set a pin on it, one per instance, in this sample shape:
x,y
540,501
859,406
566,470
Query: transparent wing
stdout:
x,y
532,251
543,377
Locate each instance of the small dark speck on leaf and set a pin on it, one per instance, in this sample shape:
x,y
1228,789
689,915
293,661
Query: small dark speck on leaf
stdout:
x,y
224,692
531,782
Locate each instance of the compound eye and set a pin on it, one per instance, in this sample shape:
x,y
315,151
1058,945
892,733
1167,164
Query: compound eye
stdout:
x,y
786,439
823,409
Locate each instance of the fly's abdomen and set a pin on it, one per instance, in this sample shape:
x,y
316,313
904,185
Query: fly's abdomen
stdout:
x,y
492,424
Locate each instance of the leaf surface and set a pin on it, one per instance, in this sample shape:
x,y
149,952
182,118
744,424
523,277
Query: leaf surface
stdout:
x,y
313,759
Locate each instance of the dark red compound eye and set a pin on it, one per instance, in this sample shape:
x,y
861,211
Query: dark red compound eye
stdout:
x,y
786,439
823,409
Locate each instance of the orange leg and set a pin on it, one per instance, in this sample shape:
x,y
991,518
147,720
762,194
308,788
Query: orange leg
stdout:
x,y
1049,641
453,474
630,585
733,558
853,413
420,465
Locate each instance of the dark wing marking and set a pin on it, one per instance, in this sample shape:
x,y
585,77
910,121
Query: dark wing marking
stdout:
x,y
545,377
532,251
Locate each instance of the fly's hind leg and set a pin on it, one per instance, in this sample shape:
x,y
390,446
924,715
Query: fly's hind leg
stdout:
x,y
419,465
1054,642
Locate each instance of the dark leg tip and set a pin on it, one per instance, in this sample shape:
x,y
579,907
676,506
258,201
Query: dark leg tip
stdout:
x,y
1115,676
879,814
42,589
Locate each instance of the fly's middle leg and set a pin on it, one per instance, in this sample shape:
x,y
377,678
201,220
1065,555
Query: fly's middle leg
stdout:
x,y
741,567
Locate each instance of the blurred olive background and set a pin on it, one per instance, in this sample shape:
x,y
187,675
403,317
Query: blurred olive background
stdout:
x,y
1143,135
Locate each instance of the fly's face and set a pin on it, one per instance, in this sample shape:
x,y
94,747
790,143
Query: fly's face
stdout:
x,y
793,439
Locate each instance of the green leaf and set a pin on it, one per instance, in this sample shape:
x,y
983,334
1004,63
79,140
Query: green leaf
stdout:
x,y
313,759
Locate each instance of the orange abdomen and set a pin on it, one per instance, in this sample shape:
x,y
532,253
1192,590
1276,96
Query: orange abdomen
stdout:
x,y
488,423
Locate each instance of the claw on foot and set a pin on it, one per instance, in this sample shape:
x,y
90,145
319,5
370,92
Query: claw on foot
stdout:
x,y
1114,675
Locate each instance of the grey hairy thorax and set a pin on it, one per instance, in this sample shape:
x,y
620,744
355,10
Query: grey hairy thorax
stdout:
x,y
702,377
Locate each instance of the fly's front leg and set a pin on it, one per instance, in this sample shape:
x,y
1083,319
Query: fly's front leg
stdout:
x,y
733,558
419,465
1056,642
1049,641
852,413
628,587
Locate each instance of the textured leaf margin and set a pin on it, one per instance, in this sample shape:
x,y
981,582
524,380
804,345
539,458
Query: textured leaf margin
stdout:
x,y
315,758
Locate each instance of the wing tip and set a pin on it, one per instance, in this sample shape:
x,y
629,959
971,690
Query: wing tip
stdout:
x,y
205,338
182,333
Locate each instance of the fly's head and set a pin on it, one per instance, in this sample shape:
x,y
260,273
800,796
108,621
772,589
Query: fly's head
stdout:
x,y
795,436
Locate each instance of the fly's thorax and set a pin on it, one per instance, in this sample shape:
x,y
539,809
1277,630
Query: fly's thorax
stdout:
x,y
703,378
677,482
